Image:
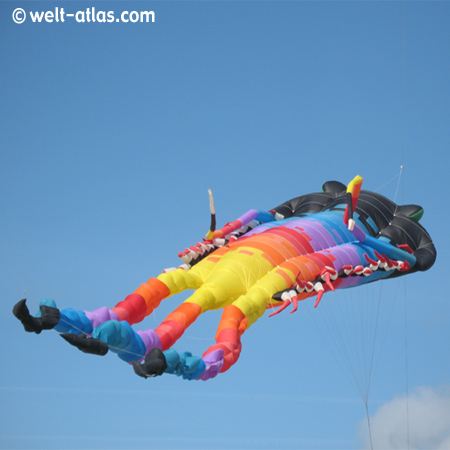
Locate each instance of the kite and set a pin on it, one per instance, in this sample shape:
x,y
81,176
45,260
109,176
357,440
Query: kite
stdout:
x,y
339,238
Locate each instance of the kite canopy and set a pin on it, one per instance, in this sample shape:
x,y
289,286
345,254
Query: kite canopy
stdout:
x,y
381,217
342,237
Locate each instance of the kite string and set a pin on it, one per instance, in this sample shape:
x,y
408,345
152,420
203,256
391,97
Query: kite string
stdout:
x,y
368,424
406,364
403,198
399,182
366,402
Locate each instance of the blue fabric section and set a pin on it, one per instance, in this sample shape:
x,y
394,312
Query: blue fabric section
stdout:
x,y
73,321
361,249
340,221
333,221
370,221
184,364
46,302
265,216
121,339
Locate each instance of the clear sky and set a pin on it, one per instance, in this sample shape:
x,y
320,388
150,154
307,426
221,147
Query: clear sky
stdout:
x,y
111,134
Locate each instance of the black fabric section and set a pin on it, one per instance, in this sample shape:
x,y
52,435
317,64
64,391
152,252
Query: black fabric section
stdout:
x,y
154,364
213,223
392,221
48,320
85,344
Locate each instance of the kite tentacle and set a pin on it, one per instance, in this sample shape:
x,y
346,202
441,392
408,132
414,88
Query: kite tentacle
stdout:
x,y
227,349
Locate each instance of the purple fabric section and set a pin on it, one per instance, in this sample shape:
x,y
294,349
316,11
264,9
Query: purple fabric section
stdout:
x,y
214,363
248,216
358,233
150,340
325,234
313,230
100,315
258,230
345,255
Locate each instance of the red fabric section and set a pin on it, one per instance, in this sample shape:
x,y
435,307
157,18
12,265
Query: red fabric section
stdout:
x,y
133,309
142,302
232,324
176,323
169,332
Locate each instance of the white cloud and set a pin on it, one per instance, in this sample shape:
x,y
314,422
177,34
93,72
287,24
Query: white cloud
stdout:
x,y
428,421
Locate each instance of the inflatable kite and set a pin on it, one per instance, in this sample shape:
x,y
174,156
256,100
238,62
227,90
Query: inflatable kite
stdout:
x,y
342,237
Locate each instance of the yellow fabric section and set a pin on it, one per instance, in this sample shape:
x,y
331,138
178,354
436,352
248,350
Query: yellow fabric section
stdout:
x,y
356,181
241,276
254,303
231,277
179,280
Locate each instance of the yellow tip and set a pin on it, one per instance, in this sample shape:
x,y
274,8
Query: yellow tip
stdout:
x,y
357,181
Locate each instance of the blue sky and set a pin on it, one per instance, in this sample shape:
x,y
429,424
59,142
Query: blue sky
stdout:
x,y
111,135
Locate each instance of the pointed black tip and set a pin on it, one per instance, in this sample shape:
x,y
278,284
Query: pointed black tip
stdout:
x,y
49,317
20,309
30,323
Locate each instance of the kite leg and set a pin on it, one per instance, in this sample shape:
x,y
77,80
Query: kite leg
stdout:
x,y
238,317
149,295
135,307
133,345
169,331
221,356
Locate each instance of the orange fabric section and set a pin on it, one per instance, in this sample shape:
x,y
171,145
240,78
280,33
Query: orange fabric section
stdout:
x,y
153,292
300,267
232,317
169,332
266,245
283,241
213,259
269,259
186,314
176,323
286,277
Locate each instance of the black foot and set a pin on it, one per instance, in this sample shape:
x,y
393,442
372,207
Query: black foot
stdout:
x,y
86,345
153,365
48,320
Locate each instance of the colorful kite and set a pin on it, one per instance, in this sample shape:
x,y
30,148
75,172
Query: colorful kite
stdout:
x,y
340,238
